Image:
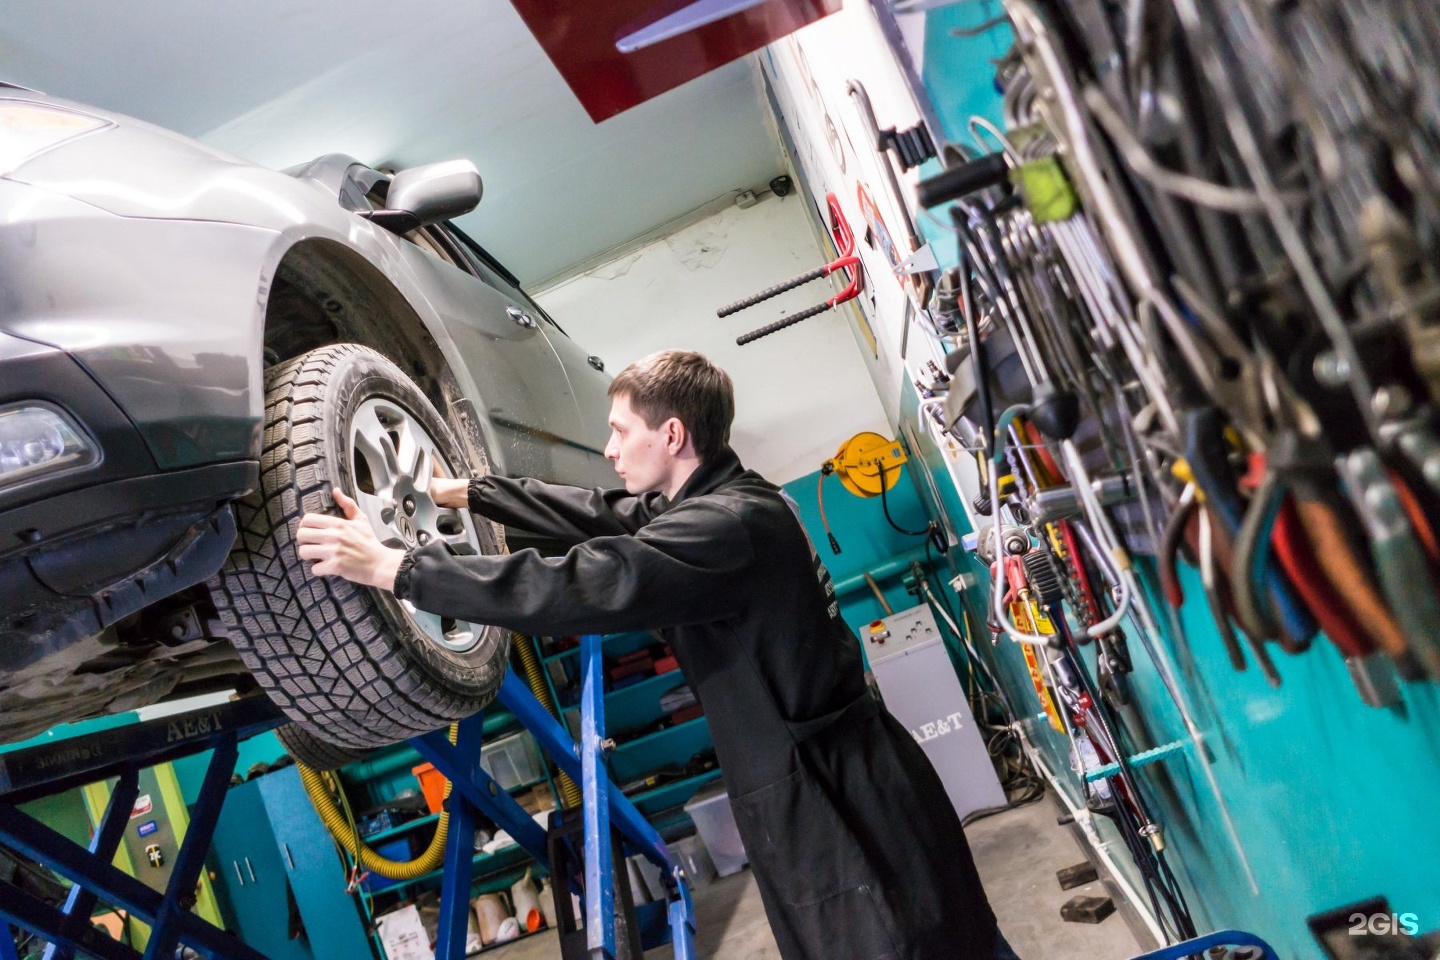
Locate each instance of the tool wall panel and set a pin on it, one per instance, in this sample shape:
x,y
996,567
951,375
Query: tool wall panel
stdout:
x,y
1301,798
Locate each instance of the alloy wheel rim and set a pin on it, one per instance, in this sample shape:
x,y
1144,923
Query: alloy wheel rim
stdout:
x,y
393,460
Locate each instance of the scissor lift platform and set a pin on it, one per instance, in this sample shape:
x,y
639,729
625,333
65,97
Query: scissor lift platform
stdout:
x,y
122,752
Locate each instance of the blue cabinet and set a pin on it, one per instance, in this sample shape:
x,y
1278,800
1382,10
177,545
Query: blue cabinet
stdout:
x,y
270,851
250,881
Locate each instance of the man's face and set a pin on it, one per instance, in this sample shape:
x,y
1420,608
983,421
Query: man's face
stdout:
x,y
641,454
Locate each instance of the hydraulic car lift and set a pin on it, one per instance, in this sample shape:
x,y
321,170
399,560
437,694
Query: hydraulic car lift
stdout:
x,y
124,751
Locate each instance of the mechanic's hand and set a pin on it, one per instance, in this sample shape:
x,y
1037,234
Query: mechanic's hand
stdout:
x,y
347,547
453,493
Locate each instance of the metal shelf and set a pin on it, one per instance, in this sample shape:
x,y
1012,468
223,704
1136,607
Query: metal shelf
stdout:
x,y
409,825
659,798
674,677
613,642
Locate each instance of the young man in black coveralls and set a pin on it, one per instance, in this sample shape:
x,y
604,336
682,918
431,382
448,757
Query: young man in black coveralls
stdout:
x,y
855,847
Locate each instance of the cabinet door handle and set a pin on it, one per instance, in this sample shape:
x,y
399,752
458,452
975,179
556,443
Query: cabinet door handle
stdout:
x,y
249,869
288,859
237,872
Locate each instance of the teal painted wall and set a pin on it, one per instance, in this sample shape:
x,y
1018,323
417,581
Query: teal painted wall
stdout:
x,y
1332,800
960,71
867,542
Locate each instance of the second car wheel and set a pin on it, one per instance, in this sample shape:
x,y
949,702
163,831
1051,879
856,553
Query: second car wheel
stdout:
x,y
351,663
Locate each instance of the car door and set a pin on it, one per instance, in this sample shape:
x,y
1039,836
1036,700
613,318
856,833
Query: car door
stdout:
x,y
524,393
590,384
585,436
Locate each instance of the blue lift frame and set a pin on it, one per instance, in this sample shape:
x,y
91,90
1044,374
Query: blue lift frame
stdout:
x,y
1199,945
124,751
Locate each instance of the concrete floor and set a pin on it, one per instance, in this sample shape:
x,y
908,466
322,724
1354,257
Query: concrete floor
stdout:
x,y
1017,852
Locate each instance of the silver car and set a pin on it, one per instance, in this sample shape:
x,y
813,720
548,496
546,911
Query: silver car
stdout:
x,y
193,349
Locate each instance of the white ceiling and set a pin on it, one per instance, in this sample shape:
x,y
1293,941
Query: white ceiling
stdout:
x,y
282,81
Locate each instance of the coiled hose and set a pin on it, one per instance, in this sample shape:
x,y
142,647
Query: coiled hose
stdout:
x,y
434,855
345,835
570,795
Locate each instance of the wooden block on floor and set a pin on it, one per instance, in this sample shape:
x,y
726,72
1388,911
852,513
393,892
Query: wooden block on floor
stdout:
x,y
1087,909
1077,875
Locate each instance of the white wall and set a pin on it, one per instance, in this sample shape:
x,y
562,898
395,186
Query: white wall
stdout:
x,y
809,72
799,393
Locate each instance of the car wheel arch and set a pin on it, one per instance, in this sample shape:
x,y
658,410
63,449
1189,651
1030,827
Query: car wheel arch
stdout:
x,y
324,291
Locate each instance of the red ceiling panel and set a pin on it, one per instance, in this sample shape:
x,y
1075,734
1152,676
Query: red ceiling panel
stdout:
x,y
580,38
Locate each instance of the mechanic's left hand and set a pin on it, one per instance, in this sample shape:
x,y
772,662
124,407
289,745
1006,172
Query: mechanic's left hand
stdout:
x,y
347,547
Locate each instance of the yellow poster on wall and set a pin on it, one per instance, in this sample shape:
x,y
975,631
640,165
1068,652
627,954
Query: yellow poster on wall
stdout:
x,y
157,826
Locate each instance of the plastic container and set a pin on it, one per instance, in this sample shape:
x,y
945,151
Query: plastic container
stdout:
x,y
432,784
691,856
650,874
547,903
512,760
526,897
490,911
715,823
640,891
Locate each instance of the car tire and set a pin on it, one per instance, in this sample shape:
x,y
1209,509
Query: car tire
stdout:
x,y
352,663
309,750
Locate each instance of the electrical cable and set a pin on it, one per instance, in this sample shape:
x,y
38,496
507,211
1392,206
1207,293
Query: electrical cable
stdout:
x,y
932,532
825,471
884,505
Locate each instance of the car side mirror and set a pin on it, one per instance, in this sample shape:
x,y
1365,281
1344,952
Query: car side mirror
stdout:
x,y
428,194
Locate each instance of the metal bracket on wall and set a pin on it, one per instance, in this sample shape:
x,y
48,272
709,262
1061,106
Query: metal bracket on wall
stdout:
x,y
1138,760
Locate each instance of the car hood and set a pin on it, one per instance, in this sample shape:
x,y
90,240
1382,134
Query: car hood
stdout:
x,y
136,169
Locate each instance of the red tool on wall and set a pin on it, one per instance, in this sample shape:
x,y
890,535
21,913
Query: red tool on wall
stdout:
x,y
846,261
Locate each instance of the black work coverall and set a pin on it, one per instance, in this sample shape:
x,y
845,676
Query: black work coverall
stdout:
x,y
856,849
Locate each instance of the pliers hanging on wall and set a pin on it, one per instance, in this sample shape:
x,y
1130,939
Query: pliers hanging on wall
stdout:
x,y
847,261
1212,550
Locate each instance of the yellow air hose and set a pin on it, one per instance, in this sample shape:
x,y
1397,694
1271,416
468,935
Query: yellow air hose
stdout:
x,y
570,795
344,834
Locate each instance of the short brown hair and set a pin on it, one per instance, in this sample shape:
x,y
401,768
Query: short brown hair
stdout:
x,y
685,385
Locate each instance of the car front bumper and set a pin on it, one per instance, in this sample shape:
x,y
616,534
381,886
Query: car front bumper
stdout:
x,y
82,548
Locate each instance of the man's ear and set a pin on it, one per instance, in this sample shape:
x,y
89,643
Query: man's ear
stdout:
x,y
676,436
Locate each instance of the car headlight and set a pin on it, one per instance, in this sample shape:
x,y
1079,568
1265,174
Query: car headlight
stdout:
x,y
28,129
38,439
